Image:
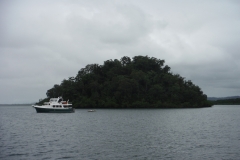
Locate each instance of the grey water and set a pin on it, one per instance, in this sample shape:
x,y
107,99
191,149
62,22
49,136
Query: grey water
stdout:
x,y
109,134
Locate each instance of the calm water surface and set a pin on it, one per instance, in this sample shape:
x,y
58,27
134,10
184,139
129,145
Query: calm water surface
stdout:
x,y
208,133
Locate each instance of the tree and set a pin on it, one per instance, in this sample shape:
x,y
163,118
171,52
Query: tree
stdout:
x,y
138,82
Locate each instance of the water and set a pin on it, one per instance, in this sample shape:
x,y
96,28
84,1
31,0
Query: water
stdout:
x,y
207,133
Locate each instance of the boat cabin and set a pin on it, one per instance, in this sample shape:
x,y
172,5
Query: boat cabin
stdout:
x,y
58,100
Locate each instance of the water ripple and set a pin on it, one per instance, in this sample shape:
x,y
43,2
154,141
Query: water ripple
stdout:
x,y
212,133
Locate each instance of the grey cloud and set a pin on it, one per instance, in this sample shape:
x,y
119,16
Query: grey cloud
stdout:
x,y
124,25
54,39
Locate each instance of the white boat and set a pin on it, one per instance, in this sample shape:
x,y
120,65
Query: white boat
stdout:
x,y
55,105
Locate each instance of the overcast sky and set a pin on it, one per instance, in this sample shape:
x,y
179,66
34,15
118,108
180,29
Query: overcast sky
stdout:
x,y
44,42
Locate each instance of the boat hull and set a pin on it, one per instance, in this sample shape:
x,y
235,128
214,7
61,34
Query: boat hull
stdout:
x,y
54,110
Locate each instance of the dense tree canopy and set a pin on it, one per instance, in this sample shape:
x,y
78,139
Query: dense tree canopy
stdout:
x,y
141,82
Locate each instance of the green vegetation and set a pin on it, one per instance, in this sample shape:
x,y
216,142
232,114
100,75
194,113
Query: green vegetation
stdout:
x,y
235,101
140,82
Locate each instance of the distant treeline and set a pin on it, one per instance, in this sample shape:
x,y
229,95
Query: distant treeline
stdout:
x,y
140,82
235,101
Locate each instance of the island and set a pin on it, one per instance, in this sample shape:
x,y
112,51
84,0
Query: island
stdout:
x,y
230,101
138,82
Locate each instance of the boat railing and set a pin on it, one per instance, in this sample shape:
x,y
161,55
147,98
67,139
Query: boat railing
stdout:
x,y
64,102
